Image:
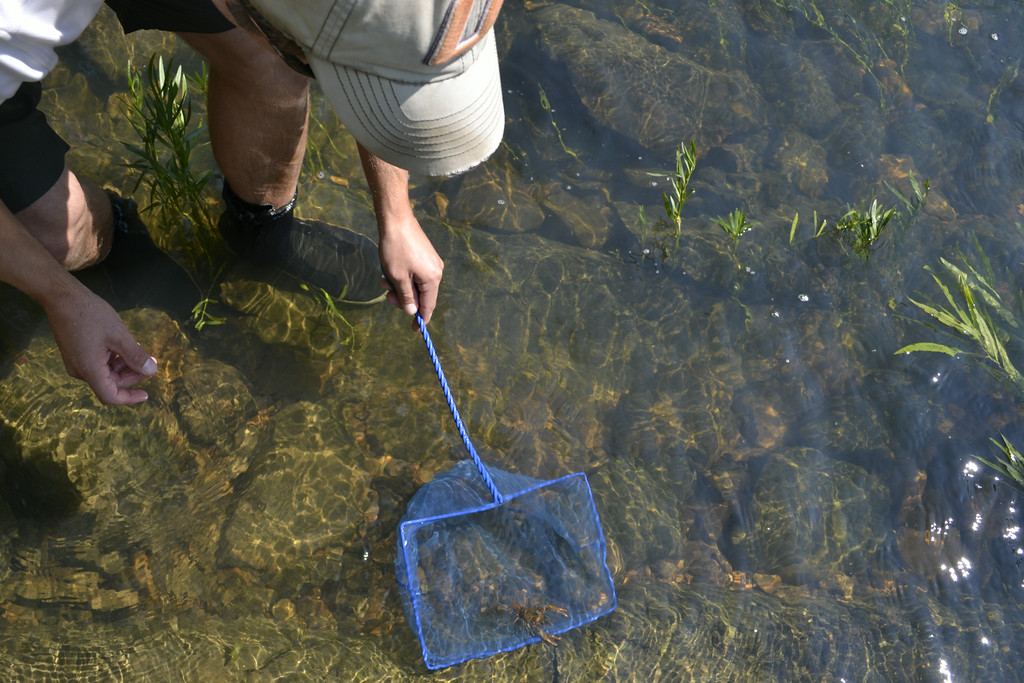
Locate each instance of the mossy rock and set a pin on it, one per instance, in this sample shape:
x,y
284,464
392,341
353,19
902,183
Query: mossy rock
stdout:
x,y
803,162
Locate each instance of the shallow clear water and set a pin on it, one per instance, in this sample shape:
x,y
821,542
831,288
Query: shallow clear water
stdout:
x,y
783,496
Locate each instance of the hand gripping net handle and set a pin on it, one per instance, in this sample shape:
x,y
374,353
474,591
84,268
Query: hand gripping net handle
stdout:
x,y
498,498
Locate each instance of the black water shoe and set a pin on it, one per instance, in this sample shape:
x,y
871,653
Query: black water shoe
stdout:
x,y
343,263
137,272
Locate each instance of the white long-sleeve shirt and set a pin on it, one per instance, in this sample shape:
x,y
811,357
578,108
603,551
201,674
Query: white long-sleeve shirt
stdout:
x,y
29,32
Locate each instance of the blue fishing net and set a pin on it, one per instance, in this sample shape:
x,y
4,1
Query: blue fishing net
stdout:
x,y
489,561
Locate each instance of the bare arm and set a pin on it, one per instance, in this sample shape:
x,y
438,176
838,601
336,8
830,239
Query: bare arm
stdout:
x,y
95,344
411,265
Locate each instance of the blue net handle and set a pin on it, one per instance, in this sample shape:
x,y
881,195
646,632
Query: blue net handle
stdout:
x,y
498,498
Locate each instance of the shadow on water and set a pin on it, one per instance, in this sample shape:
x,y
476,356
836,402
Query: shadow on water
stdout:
x,y
36,491
783,497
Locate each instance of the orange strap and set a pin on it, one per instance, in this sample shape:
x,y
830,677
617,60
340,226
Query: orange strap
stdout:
x,y
451,43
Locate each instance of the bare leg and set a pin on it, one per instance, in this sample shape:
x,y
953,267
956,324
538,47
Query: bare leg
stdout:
x,y
258,113
258,110
73,221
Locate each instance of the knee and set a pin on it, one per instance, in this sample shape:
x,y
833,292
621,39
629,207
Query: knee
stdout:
x,y
73,221
90,229
239,61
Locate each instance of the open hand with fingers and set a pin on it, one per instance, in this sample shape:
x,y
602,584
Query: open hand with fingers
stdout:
x,y
98,348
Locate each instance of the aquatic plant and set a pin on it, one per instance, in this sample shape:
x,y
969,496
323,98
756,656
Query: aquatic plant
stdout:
x,y
863,227
201,315
674,199
679,183
877,35
1010,74
313,164
819,228
735,224
968,316
912,205
1010,465
546,105
641,218
346,335
952,15
160,112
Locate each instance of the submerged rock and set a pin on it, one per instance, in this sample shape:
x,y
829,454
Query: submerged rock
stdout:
x,y
644,91
196,646
284,316
304,501
214,402
8,532
126,484
732,634
495,196
803,162
584,220
815,517
798,88
115,458
631,496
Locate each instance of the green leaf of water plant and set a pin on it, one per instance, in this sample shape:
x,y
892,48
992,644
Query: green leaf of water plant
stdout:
x,y
670,206
331,310
819,230
957,320
929,346
971,320
1012,467
987,290
735,224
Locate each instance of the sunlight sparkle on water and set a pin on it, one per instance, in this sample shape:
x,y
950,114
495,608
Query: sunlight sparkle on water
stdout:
x,y
942,529
971,468
947,675
964,566
961,571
